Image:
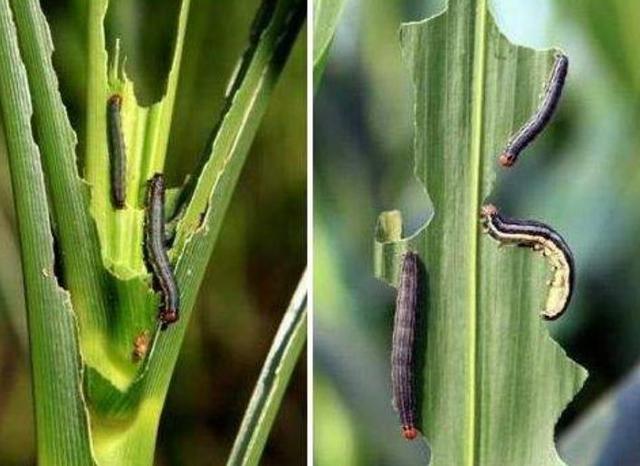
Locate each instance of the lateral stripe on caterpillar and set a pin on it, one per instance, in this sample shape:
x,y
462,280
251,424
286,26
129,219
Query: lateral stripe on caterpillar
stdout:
x,y
543,238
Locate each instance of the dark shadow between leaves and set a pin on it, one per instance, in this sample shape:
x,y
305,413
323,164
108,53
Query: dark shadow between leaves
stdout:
x,y
420,346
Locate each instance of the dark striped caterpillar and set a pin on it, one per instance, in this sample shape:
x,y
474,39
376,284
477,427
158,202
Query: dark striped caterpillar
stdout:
x,y
156,254
543,238
403,344
117,151
543,115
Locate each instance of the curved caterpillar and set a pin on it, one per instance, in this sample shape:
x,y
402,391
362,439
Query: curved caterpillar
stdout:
x,y
539,237
403,343
543,115
117,151
156,254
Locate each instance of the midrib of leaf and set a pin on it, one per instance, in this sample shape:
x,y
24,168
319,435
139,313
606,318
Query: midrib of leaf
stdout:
x,y
476,154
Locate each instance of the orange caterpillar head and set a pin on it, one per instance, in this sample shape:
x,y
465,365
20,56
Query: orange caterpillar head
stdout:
x,y
409,432
507,159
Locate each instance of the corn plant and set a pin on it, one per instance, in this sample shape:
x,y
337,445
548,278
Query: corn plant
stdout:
x,y
101,363
492,383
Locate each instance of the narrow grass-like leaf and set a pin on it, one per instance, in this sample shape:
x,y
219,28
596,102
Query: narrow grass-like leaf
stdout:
x,y
492,381
247,102
83,271
326,15
272,383
61,418
273,33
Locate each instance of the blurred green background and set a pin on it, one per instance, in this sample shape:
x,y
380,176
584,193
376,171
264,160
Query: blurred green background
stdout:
x,y
261,250
582,176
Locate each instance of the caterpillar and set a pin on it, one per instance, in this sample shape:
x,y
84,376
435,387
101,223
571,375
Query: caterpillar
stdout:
x,y
530,131
117,151
539,237
403,343
156,253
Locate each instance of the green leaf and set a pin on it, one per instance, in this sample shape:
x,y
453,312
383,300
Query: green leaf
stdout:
x,y
83,271
326,15
61,418
272,35
493,383
272,383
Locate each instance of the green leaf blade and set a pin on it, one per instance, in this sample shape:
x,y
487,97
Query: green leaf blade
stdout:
x,y
272,383
57,140
60,413
493,381
273,34
326,16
